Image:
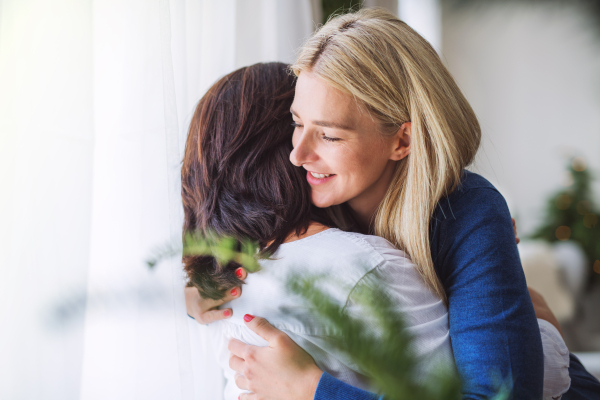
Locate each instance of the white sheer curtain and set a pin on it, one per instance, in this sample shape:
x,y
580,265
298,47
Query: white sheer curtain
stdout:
x,y
95,99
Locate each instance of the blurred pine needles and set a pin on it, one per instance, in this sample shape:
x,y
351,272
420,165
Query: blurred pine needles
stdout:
x,y
379,345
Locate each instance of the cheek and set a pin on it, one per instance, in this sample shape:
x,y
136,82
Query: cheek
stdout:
x,y
359,171
362,166
358,167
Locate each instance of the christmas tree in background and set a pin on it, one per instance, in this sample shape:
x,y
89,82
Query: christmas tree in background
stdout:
x,y
572,214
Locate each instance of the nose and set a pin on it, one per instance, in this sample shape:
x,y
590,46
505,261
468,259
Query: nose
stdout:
x,y
304,151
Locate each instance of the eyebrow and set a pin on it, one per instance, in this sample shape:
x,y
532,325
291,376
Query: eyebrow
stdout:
x,y
326,124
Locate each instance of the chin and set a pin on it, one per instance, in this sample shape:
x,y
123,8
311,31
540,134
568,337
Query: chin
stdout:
x,y
323,201
320,201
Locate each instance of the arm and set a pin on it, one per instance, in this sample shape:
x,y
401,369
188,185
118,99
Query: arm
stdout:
x,y
423,314
331,388
542,310
492,321
284,370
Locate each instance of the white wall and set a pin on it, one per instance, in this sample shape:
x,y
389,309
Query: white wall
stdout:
x,y
532,74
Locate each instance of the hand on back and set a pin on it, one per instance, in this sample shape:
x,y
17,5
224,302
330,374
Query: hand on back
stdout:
x,y
282,370
283,361
206,311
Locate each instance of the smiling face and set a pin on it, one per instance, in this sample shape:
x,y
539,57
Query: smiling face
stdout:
x,y
341,147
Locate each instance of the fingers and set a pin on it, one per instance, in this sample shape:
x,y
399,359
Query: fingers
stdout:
x,y
205,305
239,349
212,315
209,317
192,298
205,310
232,294
197,306
241,381
262,328
515,229
241,273
237,364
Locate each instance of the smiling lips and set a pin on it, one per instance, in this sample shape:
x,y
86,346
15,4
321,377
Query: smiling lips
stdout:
x,y
315,178
319,176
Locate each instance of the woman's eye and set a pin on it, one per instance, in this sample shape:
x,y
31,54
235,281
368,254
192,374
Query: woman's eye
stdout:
x,y
296,125
330,139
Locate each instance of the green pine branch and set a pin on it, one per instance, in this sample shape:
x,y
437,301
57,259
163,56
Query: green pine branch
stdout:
x,y
377,341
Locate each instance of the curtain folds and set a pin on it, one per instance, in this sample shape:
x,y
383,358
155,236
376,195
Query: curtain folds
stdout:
x,y
95,101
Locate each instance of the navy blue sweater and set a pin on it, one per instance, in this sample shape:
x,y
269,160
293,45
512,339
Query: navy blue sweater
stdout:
x,y
493,327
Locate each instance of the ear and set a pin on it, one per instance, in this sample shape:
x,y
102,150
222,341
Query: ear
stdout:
x,y
401,142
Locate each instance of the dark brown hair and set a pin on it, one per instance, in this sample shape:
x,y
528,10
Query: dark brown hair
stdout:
x,y
237,179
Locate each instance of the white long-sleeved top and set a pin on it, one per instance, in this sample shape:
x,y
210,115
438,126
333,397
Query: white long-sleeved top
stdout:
x,y
344,261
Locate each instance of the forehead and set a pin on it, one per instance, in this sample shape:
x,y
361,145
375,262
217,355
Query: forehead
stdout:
x,y
315,99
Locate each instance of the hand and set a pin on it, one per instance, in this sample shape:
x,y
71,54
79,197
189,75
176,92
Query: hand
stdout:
x,y
205,311
283,370
515,228
542,311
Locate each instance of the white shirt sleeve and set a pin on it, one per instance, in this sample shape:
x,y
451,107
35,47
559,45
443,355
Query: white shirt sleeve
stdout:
x,y
426,318
424,313
556,362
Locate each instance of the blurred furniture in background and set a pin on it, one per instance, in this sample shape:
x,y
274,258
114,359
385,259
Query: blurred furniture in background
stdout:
x,y
558,272
544,273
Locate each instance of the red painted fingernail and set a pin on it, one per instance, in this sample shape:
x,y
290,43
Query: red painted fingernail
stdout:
x,y
227,313
238,273
248,317
234,292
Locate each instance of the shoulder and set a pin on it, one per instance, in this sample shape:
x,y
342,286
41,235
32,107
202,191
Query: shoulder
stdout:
x,y
474,205
397,275
380,249
472,220
471,180
334,242
347,256
473,190
474,199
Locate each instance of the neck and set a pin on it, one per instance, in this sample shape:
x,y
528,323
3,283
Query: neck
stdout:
x,y
313,229
366,204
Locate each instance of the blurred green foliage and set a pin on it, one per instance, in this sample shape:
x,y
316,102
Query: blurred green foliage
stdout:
x,y
336,7
225,249
378,344
572,214
382,352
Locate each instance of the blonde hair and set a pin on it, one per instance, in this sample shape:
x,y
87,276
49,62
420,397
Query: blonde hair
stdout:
x,y
398,77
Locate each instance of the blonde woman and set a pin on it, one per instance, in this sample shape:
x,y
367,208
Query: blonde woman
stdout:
x,y
382,129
